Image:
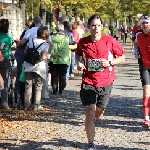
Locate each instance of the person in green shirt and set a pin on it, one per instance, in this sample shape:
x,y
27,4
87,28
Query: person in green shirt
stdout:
x,y
60,59
105,30
116,33
6,41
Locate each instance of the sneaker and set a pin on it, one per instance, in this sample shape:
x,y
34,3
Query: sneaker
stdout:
x,y
39,108
91,146
5,107
146,124
72,75
49,83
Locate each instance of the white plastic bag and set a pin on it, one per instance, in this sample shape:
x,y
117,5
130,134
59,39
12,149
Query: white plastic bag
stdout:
x,y
1,82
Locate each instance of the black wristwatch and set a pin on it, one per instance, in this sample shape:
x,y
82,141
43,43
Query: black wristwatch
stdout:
x,y
110,63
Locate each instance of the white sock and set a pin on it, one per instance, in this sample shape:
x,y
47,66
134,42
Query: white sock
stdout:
x,y
147,118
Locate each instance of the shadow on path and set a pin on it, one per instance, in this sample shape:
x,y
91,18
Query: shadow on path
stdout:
x,y
59,143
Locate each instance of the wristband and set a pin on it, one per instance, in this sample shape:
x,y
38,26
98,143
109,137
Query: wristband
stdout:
x,y
136,51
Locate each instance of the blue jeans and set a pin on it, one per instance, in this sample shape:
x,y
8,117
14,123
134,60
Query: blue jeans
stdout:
x,y
70,68
72,62
20,60
68,72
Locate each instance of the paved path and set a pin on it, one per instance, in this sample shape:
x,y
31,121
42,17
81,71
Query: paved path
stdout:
x,y
61,127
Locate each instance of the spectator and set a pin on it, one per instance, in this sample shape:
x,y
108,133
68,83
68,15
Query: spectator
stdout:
x,y
38,72
116,33
79,29
59,60
106,30
131,38
5,43
68,32
19,56
31,33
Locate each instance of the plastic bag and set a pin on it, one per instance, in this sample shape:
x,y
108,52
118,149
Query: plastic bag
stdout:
x,y
1,82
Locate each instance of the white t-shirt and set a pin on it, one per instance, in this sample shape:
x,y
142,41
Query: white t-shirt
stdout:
x,y
37,42
31,33
80,32
41,67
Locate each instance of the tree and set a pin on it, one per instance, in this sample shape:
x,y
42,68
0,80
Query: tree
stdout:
x,y
108,9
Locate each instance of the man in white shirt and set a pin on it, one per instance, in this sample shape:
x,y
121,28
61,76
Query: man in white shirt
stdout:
x,y
31,33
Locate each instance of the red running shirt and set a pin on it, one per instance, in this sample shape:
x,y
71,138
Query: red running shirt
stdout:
x,y
107,48
144,45
135,29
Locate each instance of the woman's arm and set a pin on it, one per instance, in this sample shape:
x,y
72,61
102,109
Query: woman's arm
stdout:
x,y
1,51
45,55
25,51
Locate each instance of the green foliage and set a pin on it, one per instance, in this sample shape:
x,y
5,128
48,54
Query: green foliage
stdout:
x,y
108,9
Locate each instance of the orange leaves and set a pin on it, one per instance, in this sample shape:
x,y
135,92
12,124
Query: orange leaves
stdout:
x,y
19,125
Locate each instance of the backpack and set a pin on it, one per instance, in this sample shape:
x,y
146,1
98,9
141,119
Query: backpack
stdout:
x,y
32,56
70,35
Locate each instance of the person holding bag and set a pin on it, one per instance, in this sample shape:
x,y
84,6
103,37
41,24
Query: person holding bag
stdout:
x,y
36,72
5,43
59,60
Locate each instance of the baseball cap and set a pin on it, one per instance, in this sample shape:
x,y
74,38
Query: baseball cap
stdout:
x,y
144,18
60,27
37,19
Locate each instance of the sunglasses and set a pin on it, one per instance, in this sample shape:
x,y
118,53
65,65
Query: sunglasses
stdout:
x,y
144,22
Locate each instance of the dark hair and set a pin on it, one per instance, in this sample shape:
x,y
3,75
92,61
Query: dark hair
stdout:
x,y
32,25
4,25
74,25
66,25
37,20
43,32
95,16
28,23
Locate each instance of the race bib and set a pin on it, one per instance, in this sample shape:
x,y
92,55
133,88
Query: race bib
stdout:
x,y
95,65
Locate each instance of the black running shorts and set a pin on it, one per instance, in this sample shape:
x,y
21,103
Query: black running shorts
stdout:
x,y
95,95
145,75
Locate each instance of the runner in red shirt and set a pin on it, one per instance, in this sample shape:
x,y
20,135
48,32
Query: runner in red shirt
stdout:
x,y
101,53
143,41
136,27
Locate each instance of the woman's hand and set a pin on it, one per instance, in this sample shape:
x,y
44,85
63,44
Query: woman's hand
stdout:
x,y
44,55
48,55
55,56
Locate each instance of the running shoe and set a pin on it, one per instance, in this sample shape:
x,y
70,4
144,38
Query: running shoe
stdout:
x,y
91,146
72,75
39,108
146,124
